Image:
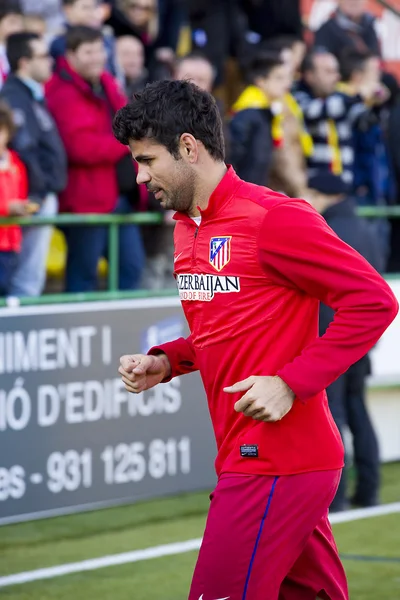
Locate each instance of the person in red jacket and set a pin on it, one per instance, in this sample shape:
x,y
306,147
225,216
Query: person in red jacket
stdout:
x,y
251,267
13,200
83,98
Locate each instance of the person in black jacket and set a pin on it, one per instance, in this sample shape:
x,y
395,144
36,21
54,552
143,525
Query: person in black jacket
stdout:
x,y
251,125
350,26
394,153
40,148
157,24
346,395
218,31
271,18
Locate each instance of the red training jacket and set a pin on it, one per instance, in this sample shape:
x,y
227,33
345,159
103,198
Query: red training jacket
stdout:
x,y
84,120
13,186
250,278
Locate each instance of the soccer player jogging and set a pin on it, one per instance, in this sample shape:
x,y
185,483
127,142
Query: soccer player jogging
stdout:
x,y
251,267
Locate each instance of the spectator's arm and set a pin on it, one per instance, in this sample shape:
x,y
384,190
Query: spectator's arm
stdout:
x,y
288,162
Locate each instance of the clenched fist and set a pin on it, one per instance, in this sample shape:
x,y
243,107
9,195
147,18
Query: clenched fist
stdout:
x,y
141,372
267,398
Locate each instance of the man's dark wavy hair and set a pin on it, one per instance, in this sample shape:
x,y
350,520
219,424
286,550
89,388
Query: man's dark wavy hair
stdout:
x,y
165,110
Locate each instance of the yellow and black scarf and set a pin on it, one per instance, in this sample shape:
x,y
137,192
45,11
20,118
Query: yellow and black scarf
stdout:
x,y
254,97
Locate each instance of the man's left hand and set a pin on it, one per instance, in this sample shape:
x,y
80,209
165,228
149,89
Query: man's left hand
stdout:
x,y
267,398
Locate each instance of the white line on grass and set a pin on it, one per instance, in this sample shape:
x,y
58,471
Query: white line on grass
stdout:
x,y
364,513
166,550
100,563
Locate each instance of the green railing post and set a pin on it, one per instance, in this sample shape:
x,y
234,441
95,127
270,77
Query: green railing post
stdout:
x,y
113,256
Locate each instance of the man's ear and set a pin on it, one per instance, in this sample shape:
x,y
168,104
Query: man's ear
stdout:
x,y
189,147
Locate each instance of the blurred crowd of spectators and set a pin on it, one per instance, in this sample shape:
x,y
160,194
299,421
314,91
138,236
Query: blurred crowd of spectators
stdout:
x,y
317,120
294,115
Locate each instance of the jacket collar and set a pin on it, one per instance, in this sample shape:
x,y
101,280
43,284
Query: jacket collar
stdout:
x,y
222,194
251,97
13,81
36,88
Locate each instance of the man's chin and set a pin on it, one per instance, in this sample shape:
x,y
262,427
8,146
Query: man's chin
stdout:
x,y
166,204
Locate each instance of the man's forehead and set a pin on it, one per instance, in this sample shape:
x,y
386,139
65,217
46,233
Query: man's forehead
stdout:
x,y
195,65
145,147
38,44
325,60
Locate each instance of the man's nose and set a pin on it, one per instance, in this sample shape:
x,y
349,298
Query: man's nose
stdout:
x,y
142,176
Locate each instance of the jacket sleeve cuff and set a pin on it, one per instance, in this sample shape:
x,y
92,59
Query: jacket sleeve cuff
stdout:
x,y
296,384
181,356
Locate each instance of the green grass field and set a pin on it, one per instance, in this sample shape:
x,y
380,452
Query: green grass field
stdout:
x,y
69,539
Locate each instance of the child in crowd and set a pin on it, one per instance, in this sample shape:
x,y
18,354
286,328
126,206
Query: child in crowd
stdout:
x,y
13,199
255,124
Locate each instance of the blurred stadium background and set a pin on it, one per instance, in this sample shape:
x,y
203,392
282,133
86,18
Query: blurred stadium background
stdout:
x,y
158,448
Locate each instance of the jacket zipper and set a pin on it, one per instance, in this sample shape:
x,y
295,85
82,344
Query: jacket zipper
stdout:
x,y
194,245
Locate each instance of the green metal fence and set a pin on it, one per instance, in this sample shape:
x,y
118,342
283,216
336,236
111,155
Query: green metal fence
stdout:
x,y
114,222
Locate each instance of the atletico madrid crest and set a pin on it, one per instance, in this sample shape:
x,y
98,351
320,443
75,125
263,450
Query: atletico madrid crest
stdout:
x,y
220,252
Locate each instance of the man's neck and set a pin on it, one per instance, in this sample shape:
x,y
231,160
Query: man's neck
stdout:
x,y
4,158
94,83
22,75
36,87
206,185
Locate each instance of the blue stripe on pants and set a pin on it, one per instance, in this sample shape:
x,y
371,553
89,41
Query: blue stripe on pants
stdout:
x,y
246,585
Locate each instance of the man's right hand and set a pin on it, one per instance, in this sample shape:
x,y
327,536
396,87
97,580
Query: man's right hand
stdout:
x,y
141,372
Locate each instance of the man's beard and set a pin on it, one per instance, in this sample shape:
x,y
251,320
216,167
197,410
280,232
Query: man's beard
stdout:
x,y
182,199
